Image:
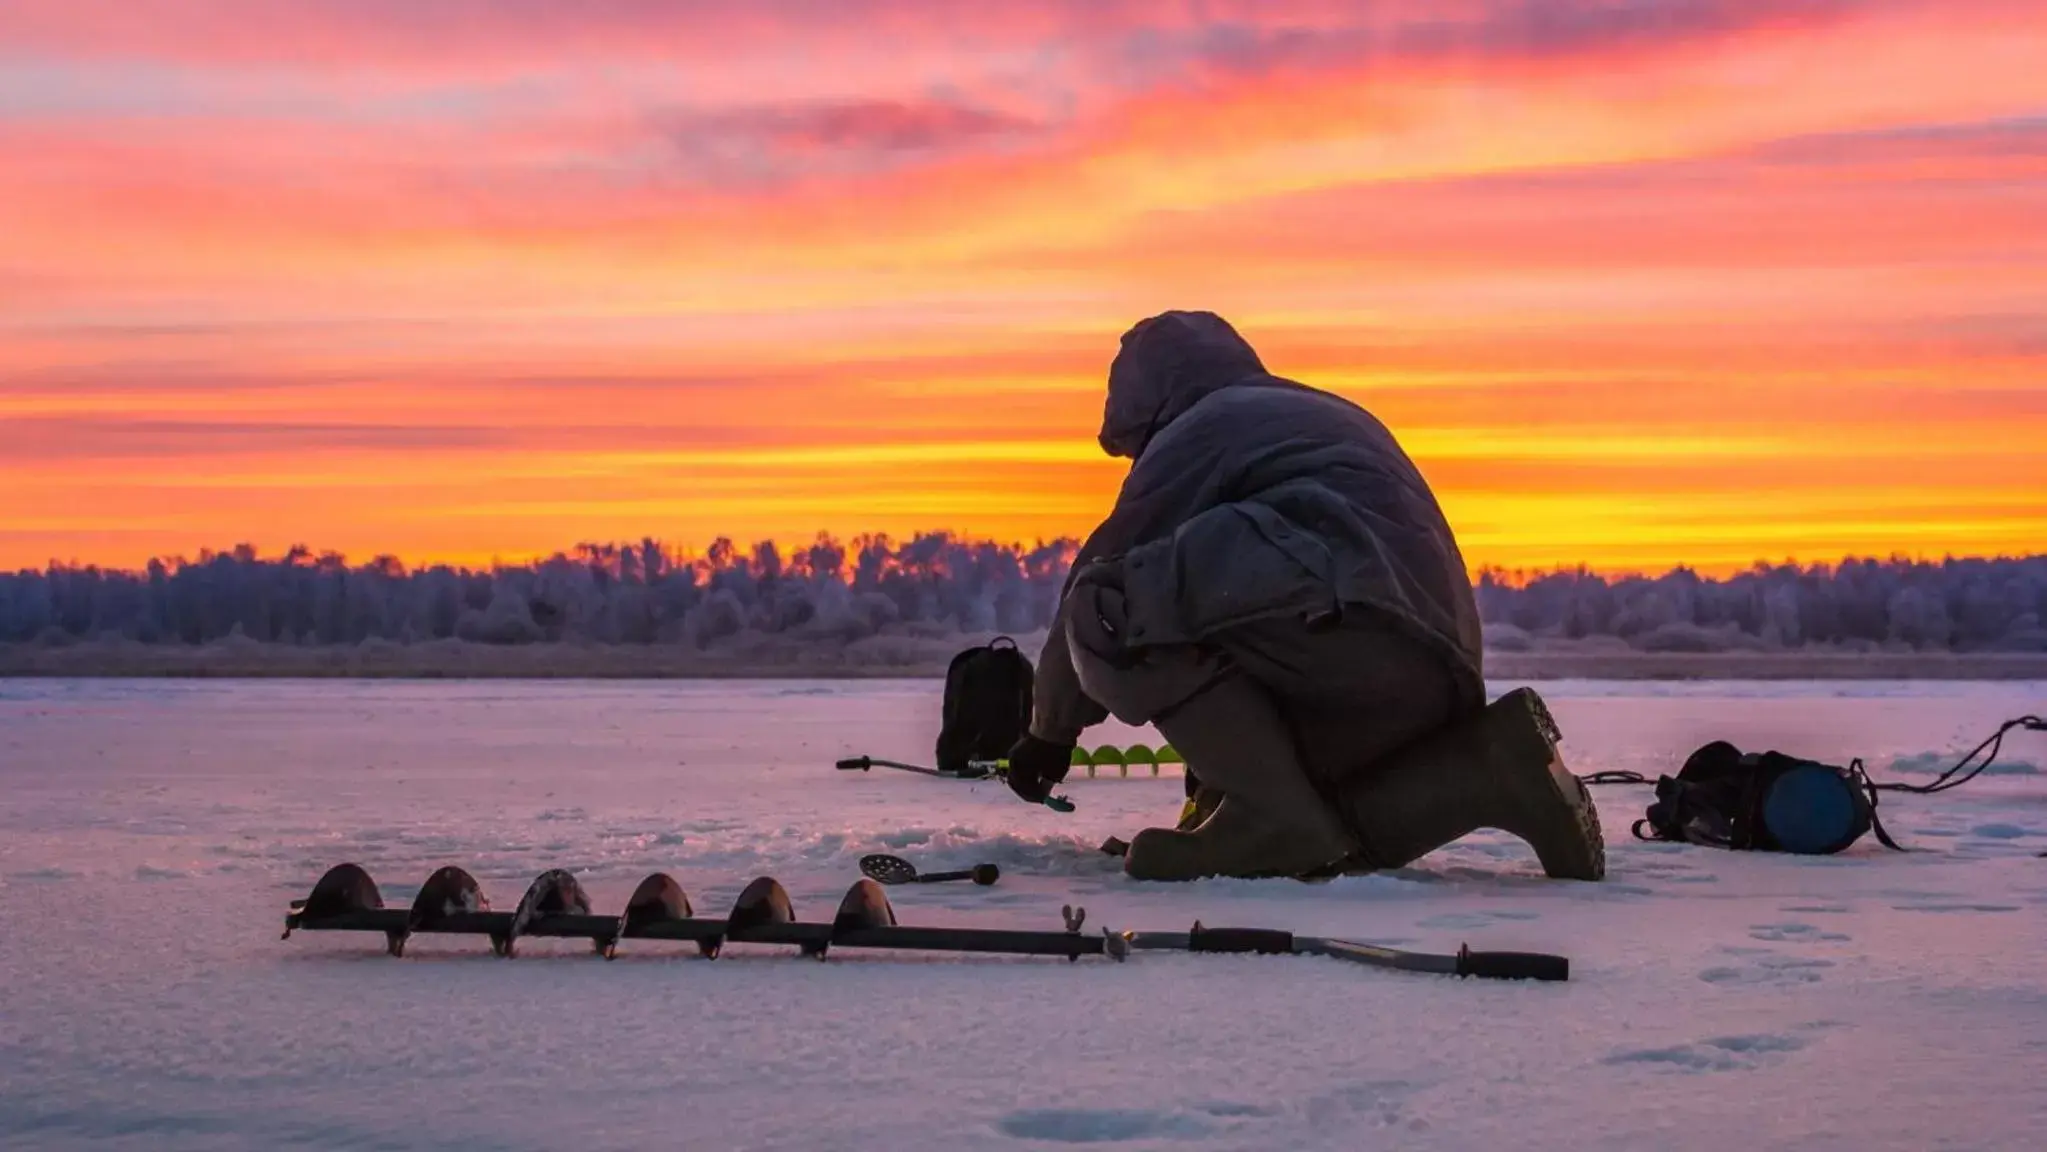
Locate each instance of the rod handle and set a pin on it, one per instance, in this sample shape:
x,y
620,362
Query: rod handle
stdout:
x,y
1512,965
982,874
855,764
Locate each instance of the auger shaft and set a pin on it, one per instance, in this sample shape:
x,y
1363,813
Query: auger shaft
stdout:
x,y
700,930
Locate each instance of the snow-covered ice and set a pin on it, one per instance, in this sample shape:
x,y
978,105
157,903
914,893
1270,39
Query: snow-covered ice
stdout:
x,y
151,835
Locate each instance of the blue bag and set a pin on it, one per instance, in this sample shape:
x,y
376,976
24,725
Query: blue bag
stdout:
x,y
1765,802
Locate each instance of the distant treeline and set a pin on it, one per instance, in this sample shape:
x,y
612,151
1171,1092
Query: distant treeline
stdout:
x,y
1956,605
646,593
615,594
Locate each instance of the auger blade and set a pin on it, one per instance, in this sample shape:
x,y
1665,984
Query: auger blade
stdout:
x,y
764,902
554,893
343,889
865,906
660,901
448,893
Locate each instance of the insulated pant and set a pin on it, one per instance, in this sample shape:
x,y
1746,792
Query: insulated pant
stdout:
x,y
1280,712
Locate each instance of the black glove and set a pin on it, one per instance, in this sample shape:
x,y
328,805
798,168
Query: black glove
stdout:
x,y
1035,765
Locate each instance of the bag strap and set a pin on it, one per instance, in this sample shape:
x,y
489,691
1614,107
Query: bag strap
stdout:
x,y
1858,778
1669,818
1678,827
1964,770
1967,768
1622,777
1615,777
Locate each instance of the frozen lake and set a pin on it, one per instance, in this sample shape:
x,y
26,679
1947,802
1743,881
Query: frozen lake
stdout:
x,y
151,834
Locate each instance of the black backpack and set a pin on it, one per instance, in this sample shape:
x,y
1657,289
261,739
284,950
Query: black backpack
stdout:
x,y
1763,801
987,705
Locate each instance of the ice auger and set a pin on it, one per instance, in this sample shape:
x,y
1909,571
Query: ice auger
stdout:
x,y
451,901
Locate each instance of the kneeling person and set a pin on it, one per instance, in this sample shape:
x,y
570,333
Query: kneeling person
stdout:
x,y
1277,591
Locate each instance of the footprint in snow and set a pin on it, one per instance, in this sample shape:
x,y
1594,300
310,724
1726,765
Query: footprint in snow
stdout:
x,y
1678,869
1101,1125
1793,933
1761,967
1454,920
1231,1108
1721,1054
1946,907
1915,894
1382,1101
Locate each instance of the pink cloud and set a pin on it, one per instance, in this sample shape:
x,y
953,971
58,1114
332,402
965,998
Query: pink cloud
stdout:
x,y
1234,35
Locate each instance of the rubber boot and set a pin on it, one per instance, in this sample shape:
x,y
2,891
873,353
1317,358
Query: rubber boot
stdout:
x,y
1499,769
1271,820
1201,804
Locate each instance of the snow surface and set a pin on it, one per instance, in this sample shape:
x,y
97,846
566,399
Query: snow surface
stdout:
x,y
151,834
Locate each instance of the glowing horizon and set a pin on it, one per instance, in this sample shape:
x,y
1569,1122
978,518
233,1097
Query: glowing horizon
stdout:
x,y
1636,284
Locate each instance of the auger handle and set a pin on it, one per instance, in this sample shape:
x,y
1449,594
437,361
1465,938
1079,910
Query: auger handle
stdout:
x,y
1266,941
1512,965
982,874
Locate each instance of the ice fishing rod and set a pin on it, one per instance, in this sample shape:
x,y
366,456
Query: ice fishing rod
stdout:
x,y
1096,763
975,770
863,763
451,902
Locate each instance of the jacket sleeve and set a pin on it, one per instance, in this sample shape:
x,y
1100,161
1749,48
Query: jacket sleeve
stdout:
x,y
1060,710
1173,480
1234,562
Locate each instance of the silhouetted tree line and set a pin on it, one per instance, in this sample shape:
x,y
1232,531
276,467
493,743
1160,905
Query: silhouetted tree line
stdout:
x,y
646,593
1966,605
641,593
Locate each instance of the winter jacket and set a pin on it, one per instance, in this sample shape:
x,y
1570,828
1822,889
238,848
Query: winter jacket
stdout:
x,y
1252,497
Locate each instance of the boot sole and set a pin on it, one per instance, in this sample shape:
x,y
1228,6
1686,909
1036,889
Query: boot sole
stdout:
x,y
1163,855
1584,857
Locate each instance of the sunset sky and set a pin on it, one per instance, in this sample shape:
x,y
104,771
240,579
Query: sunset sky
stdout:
x,y
1637,283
